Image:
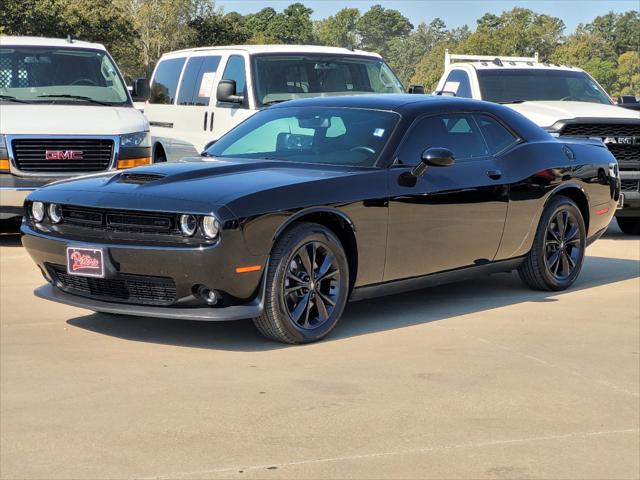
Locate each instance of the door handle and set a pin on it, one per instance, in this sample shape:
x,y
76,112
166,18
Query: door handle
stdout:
x,y
494,174
205,121
211,123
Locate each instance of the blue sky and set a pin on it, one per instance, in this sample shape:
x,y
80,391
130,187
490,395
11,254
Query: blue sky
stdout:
x,y
454,12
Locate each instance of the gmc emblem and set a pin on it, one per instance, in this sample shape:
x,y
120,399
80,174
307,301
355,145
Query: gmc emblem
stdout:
x,y
621,140
63,154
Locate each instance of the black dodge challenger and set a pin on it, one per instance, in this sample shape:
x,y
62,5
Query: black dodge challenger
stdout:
x,y
313,202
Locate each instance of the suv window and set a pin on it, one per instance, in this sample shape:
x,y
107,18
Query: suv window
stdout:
x,y
235,71
498,138
165,81
458,132
458,83
197,81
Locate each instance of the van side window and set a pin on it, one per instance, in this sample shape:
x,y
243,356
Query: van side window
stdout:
x,y
458,132
458,83
498,137
235,71
165,81
197,81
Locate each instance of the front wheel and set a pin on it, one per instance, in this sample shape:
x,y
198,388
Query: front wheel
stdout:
x,y
629,225
307,285
556,257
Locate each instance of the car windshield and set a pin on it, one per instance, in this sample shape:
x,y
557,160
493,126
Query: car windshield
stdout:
x,y
513,85
329,136
283,77
60,75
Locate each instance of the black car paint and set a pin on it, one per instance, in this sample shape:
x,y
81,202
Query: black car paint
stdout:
x,y
452,218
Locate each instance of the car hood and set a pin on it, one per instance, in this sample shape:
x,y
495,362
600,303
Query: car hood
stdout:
x,y
195,186
81,119
546,113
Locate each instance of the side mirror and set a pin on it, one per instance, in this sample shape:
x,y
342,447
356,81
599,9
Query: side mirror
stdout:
x,y
226,92
140,90
433,157
416,89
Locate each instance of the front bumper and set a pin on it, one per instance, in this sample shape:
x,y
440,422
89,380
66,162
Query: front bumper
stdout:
x,y
237,312
188,267
14,190
631,206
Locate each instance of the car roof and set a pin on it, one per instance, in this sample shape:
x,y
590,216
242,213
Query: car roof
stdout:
x,y
8,40
290,49
506,65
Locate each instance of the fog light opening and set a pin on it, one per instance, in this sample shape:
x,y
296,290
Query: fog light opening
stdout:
x,y
208,295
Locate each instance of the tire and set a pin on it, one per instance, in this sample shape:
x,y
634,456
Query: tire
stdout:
x,y
557,254
160,156
311,309
629,225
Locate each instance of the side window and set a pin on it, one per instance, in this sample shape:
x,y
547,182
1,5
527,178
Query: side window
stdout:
x,y
235,71
165,81
458,132
498,138
458,83
197,81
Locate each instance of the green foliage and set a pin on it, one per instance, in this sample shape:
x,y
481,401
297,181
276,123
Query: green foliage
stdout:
x,y
138,32
339,30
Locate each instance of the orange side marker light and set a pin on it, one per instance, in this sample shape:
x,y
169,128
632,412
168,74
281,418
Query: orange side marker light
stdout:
x,y
251,268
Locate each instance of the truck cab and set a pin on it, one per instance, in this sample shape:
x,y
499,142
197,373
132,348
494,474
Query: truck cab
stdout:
x,y
197,95
64,111
564,100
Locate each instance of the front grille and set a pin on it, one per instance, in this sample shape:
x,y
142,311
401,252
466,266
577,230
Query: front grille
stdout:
x,y
122,220
630,185
624,153
602,130
64,156
124,288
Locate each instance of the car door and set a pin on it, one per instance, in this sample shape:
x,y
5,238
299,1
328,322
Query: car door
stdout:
x,y
452,216
226,114
193,122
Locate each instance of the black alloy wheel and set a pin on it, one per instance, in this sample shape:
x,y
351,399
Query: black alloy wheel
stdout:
x,y
563,246
311,285
307,285
555,259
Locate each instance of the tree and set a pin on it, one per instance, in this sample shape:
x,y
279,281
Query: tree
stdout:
x,y
620,30
379,25
581,47
216,28
339,30
628,73
293,25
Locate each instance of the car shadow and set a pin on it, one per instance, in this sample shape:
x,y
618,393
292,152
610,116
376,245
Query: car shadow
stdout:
x,y
365,317
10,240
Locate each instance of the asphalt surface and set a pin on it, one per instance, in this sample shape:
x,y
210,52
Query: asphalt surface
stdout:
x,y
483,379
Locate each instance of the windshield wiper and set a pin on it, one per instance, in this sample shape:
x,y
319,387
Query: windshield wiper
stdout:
x,y
273,102
77,97
512,101
11,98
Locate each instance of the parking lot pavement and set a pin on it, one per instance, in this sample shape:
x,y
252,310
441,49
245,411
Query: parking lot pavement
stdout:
x,y
483,379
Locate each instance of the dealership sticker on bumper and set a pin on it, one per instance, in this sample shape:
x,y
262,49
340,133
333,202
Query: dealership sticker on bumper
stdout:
x,y
86,262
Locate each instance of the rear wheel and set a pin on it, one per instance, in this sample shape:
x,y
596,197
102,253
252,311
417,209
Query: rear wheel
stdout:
x,y
629,225
556,257
307,285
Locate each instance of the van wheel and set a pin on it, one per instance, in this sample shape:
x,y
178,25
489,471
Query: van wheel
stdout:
x,y
556,257
629,225
159,156
307,285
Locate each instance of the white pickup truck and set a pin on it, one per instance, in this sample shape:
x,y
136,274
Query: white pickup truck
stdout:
x,y
565,101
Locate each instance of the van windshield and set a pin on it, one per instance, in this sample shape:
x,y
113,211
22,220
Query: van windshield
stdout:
x,y
59,75
282,77
514,85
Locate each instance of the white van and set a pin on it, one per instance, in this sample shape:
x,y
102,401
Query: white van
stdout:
x,y
199,94
64,111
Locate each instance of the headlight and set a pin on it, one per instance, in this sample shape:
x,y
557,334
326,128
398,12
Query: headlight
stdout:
x,y
37,210
210,226
188,224
55,213
139,139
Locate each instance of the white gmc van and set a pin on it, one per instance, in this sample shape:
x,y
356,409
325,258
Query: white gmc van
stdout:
x,y
64,111
197,95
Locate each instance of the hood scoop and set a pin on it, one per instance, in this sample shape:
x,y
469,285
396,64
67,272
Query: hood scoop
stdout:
x,y
139,178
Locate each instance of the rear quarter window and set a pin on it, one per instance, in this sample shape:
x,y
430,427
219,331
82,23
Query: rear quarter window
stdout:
x,y
165,81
